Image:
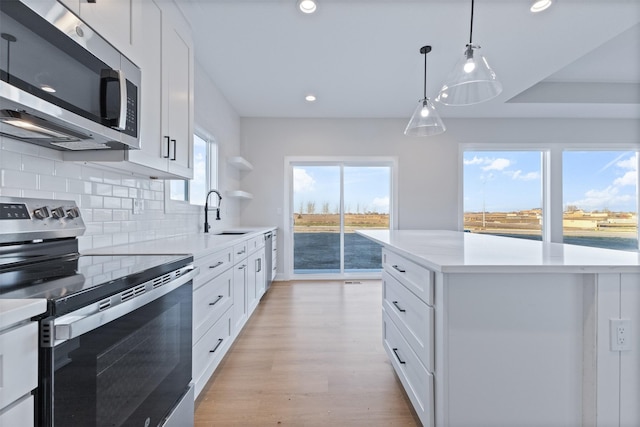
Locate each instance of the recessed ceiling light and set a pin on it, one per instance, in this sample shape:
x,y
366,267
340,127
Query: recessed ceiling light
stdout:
x,y
540,5
307,6
310,98
47,88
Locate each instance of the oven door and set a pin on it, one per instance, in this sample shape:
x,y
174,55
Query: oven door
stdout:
x,y
130,371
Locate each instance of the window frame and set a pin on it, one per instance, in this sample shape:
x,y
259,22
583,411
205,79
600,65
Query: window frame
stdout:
x,y
552,195
211,178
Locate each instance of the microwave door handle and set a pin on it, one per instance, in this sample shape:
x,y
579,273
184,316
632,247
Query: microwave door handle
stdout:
x,y
122,119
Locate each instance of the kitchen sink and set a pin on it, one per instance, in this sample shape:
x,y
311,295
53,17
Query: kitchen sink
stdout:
x,y
229,233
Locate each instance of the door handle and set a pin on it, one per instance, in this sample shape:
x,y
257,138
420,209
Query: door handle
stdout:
x,y
217,300
174,149
395,351
401,310
168,147
399,269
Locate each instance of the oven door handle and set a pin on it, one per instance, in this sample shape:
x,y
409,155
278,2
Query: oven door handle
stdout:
x,y
77,323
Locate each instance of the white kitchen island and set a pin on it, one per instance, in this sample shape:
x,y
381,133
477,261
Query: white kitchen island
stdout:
x,y
496,331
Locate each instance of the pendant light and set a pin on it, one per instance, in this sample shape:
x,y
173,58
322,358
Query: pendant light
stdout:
x,y
472,80
425,120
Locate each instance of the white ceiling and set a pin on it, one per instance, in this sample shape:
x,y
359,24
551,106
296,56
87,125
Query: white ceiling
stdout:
x,y
580,58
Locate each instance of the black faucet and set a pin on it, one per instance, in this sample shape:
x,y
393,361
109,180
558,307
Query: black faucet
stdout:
x,y
206,209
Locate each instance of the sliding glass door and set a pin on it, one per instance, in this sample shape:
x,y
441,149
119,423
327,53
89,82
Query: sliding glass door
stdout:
x,y
330,200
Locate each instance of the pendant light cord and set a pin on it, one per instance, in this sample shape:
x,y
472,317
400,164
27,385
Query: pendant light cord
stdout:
x,y
471,26
425,76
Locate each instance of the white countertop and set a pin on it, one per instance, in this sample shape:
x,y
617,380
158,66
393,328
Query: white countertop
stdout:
x,y
14,311
199,245
460,252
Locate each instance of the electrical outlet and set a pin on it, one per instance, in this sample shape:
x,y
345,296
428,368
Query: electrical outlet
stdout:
x,y
620,334
138,206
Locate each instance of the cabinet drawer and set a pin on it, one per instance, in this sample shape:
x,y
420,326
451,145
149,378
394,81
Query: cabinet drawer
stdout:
x,y
239,252
20,413
209,350
18,362
416,278
255,243
210,301
212,266
412,316
417,382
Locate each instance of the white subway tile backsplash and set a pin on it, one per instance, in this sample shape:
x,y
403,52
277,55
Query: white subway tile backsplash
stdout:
x,y
53,183
89,201
121,214
120,238
102,215
19,146
79,187
68,170
102,189
119,191
112,178
19,179
105,197
102,241
91,174
111,202
11,160
10,192
111,227
37,165
37,194
156,185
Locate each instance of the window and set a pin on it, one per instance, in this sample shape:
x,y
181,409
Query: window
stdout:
x,y
503,193
331,199
205,177
600,198
588,197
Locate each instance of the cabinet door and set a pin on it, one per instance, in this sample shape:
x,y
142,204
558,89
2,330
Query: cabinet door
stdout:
x,y
111,19
239,296
153,151
177,81
255,286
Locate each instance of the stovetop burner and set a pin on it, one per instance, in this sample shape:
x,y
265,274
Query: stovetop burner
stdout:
x,y
39,257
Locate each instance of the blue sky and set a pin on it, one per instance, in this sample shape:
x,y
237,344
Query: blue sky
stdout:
x,y
502,181
511,180
366,188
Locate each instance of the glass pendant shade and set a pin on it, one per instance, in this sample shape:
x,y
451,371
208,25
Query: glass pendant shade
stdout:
x,y
471,81
425,120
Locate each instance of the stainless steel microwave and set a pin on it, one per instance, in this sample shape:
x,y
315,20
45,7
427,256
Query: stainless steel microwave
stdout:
x,y
63,86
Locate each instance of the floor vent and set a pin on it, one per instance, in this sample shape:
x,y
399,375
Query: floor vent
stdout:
x,y
352,282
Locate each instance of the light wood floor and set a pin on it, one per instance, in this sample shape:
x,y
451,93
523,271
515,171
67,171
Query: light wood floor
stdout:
x,y
311,355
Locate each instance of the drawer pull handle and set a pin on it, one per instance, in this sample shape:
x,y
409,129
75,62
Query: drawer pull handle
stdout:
x,y
217,265
401,310
395,351
399,269
241,252
218,345
242,267
217,300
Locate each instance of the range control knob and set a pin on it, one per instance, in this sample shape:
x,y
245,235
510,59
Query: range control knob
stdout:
x,y
73,213
58,213
42,213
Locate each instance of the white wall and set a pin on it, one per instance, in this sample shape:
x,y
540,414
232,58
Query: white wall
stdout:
x,y
427,176
105,196
429,169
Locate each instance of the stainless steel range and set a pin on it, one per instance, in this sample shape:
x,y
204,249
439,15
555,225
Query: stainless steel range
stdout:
x,y
115,342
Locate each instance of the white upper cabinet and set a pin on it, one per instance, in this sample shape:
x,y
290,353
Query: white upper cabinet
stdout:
x,y
177,86
161,46
112,19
